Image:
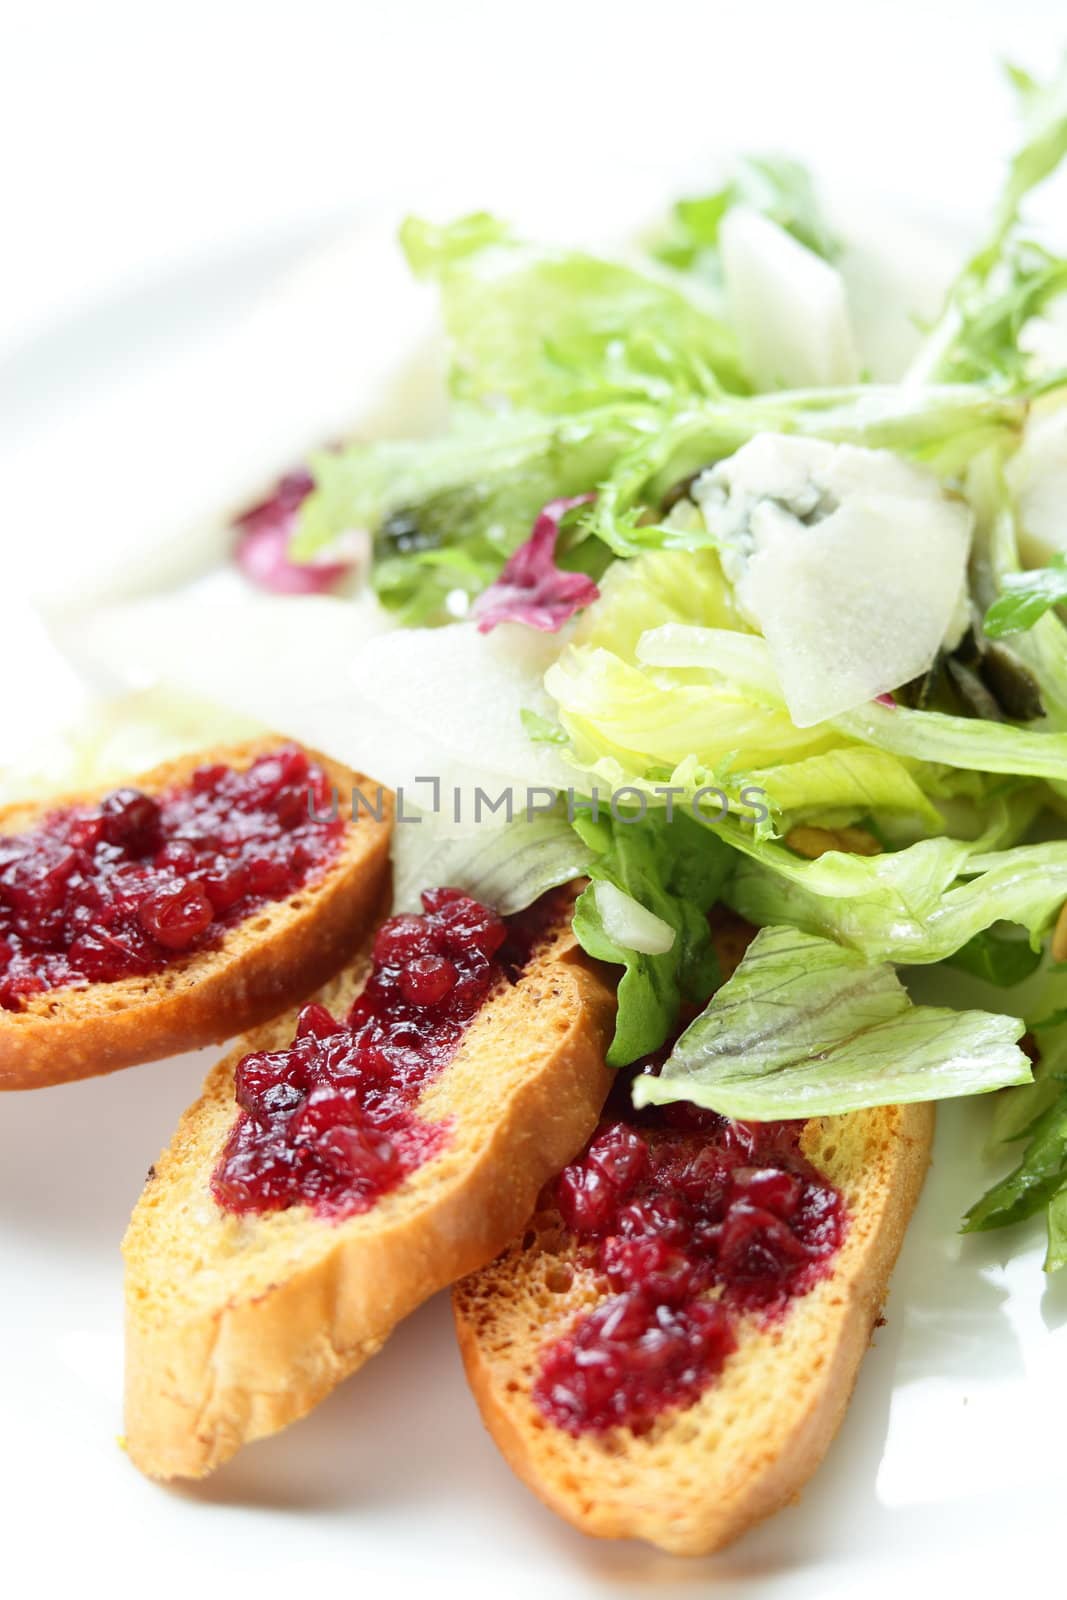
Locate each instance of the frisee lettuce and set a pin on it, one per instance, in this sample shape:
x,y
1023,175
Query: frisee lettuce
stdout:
x,y
562,330
446,513
1009,279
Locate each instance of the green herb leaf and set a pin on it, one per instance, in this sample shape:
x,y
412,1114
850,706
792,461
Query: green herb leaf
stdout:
x,y
998,958
1025,597
1033,1182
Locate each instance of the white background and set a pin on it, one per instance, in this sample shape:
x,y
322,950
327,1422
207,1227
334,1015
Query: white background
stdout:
x,y
141,140
162,165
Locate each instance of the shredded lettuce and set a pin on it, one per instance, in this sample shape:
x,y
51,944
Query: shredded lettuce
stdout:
x,y
805,1028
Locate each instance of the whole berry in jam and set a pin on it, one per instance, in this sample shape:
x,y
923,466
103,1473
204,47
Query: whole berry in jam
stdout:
x,y
176,914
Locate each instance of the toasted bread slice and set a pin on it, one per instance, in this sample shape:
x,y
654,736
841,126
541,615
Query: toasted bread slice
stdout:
x,y
263,964
703,1475
237,1326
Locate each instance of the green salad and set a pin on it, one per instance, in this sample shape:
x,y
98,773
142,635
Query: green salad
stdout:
x,y
807,659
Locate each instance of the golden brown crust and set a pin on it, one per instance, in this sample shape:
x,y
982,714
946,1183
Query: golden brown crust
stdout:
x,y
238,1326
702,1476
262,965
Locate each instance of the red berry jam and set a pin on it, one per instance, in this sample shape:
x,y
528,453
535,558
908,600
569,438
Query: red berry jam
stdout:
x,y
331,1120
119,889
691,1221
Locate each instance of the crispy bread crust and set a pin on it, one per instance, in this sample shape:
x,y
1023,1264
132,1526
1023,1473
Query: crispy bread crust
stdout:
x,y
238,1326
262,965
704,1475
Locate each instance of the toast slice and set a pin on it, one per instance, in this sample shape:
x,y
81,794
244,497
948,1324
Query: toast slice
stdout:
x,y
283,949
238,1325
700,1474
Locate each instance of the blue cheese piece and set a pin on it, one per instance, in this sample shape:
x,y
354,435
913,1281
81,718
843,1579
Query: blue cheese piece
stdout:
x,y
850,562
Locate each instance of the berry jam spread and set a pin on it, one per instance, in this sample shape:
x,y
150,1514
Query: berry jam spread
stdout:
x,y
119,889
330,1121
691,1221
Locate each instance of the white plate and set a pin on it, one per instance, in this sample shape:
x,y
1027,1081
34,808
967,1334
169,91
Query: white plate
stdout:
x,y
946,1469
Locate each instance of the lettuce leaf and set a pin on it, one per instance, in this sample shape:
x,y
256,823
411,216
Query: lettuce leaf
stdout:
x,y
676,869
963,742
651,721
805,1028
774,185
562,330
917,905
507,868
446,513
707,700
937,737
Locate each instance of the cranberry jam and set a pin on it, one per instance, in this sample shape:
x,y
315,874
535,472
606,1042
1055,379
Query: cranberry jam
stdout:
x,y
119,889
692,1221
330,1121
